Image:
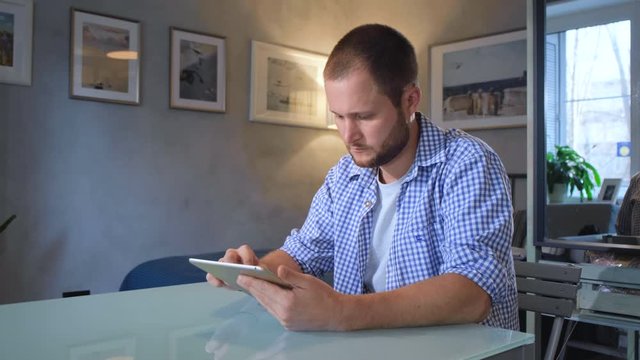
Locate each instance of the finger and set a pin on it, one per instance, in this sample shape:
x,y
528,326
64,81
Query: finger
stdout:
x,y
231,256
269,295
262,289
247,255
296,279
215,281
251,283
242,255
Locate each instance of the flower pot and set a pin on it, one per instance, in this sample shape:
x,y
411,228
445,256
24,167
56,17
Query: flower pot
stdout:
x,y
559,193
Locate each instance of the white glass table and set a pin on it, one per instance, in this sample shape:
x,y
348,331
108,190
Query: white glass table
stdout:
x,y
197,321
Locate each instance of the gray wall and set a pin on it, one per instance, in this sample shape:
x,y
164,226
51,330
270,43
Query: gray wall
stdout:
x,y
99,188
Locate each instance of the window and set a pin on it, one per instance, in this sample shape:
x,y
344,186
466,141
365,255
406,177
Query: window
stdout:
x,y
587,95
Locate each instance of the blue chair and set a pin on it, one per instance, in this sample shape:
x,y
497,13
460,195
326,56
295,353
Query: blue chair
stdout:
x,y
172,270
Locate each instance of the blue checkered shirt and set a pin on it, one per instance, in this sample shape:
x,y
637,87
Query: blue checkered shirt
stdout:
x,y
454,215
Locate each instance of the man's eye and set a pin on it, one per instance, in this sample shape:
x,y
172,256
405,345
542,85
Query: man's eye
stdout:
x,y
363,116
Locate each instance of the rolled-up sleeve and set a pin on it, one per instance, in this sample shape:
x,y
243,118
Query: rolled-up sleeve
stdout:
x,y
477,214
312,245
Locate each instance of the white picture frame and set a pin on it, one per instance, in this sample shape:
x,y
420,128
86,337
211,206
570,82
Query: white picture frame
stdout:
x,y
609,190
480,83
198,67
16,39
287,87
105,58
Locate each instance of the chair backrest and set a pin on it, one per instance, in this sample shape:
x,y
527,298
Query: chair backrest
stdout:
x,y
519,228
546,288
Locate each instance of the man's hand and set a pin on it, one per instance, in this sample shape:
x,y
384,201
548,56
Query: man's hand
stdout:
x,y
310,305
242,255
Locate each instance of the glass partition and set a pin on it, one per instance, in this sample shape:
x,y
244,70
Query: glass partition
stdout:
x,y
587,124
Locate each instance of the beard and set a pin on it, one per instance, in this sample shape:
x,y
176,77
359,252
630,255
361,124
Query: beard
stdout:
x,y
391,146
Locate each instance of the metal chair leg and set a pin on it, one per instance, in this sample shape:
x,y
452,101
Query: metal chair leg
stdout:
x,y
552,346
565,339
633,342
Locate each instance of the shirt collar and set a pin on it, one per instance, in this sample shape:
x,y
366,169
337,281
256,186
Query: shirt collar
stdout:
x,y
432,143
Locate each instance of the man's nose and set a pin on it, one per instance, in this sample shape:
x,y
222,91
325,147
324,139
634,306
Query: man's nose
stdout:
x,y
351,131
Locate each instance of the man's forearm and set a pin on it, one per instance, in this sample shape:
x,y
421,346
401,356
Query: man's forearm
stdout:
x,y
445,299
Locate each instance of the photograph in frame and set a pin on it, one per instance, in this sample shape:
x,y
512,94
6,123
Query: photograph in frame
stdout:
x,y
287,86
105,58
480,83
198,80
609,190
16,31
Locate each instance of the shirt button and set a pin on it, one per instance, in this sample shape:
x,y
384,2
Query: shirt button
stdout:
x,y
368,204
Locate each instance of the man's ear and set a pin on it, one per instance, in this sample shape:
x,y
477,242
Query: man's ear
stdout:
x,y
412,98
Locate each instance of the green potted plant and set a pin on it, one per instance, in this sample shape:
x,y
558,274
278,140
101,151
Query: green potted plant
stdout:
x,y
566,168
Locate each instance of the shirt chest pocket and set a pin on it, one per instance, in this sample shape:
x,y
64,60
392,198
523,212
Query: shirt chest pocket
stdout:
x,y
424,232
418,251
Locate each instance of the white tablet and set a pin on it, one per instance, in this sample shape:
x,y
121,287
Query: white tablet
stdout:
x,y
228,272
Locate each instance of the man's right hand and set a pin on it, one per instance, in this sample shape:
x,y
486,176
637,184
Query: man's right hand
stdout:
x,y
242,255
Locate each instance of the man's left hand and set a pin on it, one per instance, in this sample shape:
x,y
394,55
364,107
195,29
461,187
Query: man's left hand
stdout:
x,y
310,305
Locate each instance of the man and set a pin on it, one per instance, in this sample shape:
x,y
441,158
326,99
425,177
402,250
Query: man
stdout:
x,y
415,224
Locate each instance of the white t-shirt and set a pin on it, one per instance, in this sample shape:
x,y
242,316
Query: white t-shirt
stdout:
x,y
384,223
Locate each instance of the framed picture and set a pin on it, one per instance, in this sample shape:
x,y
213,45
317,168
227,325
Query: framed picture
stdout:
x,y
287,86
105,58
480,83
16,31
609,190
197,71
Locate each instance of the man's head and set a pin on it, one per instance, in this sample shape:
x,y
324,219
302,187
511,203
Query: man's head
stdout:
x,y
370,83
381,51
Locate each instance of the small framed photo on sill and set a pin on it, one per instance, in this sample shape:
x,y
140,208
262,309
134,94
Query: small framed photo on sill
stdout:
x,y
16,31
609,190
198,80
105,58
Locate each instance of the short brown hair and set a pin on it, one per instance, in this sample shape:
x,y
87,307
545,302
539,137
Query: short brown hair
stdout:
x,y
382,51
